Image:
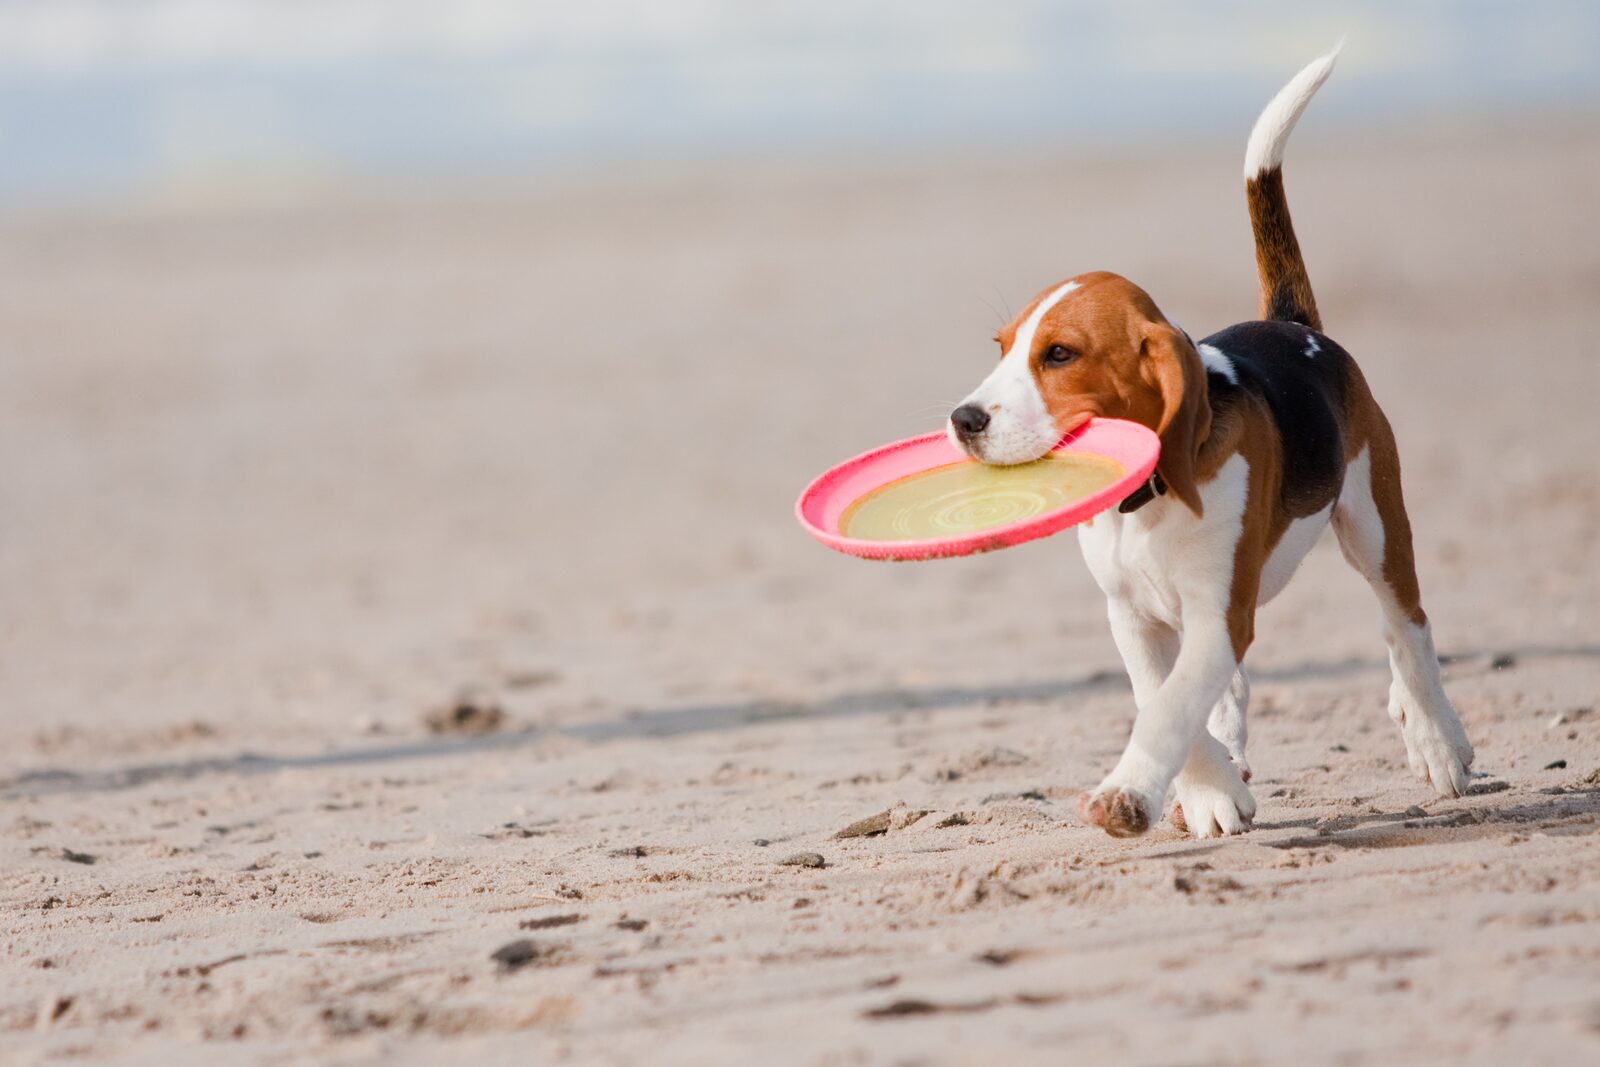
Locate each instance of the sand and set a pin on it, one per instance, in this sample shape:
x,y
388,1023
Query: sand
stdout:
x,y
389,582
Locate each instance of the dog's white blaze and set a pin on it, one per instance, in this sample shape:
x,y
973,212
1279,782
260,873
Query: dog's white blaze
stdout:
x,y
1014,368
1020,428
1217,360
1312,348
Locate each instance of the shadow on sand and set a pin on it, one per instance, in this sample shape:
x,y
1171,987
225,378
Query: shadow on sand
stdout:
x,y
703,718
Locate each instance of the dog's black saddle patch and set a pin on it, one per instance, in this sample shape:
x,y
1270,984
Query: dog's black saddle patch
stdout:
x,y
1302,376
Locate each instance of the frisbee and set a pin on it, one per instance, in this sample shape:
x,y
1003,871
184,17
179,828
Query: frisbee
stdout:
x,y
922,498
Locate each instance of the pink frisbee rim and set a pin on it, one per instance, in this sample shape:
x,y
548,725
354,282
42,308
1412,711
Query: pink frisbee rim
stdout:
x,y
824,501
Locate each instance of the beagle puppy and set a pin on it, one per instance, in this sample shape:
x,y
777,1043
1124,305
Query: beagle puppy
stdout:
x,y
1269,433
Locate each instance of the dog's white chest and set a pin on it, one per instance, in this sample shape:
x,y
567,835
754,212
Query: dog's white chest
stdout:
x,y
1156,557
1124,555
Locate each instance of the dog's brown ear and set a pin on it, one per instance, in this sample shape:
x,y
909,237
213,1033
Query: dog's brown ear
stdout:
x,y
1185,408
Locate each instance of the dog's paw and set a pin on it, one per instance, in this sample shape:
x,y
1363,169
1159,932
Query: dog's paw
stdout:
x,y
1117,810
1213,805
1436,757
1436,746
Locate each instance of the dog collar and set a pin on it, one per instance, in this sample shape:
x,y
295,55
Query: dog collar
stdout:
x,y
1144,494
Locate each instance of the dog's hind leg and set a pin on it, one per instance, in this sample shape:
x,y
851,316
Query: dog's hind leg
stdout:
x,y
1375,536
1227,723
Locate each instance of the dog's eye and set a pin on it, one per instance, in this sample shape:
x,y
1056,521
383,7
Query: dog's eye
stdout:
x,y
1059,356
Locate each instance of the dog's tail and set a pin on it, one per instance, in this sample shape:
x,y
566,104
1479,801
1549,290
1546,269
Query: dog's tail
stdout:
x,y
1285,286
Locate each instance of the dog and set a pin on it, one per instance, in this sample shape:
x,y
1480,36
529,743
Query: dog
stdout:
x,y
1268,433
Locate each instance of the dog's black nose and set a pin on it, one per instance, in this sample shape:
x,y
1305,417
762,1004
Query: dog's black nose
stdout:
x,y
969,419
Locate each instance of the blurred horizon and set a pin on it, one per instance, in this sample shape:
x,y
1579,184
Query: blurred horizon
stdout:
x,y
179,101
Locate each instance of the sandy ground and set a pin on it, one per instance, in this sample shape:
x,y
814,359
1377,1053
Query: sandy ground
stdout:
x,y
278,484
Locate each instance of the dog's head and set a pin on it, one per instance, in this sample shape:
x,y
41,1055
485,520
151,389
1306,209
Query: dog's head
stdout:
x,y
1093,345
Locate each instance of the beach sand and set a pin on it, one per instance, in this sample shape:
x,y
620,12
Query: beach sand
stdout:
x,y
386,583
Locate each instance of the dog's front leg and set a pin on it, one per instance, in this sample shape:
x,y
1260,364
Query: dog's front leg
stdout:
x,y
1166,729
1148,647
1212,797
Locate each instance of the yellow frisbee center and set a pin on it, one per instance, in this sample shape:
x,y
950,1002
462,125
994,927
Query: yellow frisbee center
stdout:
x,y
965,497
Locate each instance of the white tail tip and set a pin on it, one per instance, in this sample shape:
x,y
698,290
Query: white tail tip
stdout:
x,y
1272,129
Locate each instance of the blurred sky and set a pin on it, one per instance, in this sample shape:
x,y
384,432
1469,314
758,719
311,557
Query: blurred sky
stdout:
x,y
170,100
